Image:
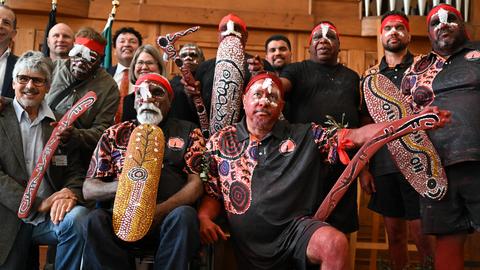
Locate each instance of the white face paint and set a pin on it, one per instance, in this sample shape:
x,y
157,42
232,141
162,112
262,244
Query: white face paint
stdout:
x,y
443,18
394,30
84,51
144,91
258,93
267,84
231,30
325,27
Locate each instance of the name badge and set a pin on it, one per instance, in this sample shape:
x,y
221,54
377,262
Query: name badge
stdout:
x,y
59,160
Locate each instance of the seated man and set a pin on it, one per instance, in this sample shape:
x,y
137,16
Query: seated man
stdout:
x,y
24,129
72,79
175,228
262,171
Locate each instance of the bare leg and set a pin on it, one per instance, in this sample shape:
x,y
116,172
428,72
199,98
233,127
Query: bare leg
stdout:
x,y
328,247
449,251
423,243
397,242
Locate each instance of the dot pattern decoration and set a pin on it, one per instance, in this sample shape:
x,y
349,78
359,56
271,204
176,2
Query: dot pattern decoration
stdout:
x,y
135,200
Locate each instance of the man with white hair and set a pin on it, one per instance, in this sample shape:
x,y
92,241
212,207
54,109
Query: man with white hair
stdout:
x,y
25,126
175,228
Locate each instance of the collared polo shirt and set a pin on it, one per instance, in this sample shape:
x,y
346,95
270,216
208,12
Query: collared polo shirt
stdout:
x,y
455,82
268,185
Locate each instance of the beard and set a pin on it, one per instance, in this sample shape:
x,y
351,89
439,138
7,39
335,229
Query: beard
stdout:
x,y
148,113
395,48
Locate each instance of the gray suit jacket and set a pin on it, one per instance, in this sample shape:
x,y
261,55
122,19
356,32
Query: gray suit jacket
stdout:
x,y
14,176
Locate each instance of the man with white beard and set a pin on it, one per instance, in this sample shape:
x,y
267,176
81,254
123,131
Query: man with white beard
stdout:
x,y
175,229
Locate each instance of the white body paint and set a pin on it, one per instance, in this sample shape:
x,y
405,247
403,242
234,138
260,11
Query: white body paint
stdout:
x,y
325,27
443,17
394,30
83,50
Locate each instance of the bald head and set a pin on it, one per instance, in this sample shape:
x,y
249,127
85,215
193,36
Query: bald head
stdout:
x,y
60,41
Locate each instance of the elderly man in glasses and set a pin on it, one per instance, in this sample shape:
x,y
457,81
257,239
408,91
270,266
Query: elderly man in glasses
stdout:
x,y
24,130
175,229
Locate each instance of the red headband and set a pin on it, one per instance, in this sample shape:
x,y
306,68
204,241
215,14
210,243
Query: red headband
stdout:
x,y
395,18
91,44
262,76
446,7
234,18
154,77
331,26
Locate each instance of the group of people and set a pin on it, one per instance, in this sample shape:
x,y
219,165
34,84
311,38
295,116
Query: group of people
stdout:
x,y
266,174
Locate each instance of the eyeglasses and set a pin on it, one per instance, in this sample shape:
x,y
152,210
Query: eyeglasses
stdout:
x,y
24,79
147,63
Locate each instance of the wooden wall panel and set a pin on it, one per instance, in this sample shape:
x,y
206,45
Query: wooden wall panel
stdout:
x,y
279,6
77,8
344,14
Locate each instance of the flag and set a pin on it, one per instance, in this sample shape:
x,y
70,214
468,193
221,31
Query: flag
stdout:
x,y
52,20
107,34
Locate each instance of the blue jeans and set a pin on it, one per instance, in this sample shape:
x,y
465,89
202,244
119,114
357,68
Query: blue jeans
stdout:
x,y
66,235
175,241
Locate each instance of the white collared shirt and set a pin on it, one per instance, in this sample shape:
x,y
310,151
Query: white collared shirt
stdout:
x,y
3,66
118,77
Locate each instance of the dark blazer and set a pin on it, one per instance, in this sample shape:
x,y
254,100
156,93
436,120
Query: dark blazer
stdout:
x,y
111,70
7,89
14,176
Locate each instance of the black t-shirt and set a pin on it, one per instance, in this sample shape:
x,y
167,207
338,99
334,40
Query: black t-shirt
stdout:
x,y
182,106
319,90
205,74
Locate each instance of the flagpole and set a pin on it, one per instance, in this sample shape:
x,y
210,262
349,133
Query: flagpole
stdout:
x,y
52,20
107,34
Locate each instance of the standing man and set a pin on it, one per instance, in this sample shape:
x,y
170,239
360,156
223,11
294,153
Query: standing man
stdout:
x,y
60,41
126,41
449,76
72,79
321,87
182,105
25,126
8,28
174,232
278,52
392,196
